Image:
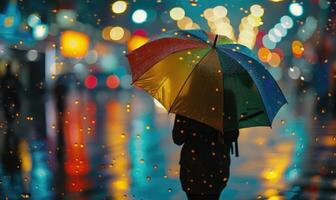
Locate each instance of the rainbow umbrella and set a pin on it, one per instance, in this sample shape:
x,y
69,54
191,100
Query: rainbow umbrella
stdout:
x,y
207,78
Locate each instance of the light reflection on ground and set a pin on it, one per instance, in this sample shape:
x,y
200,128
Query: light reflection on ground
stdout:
x,y
119,146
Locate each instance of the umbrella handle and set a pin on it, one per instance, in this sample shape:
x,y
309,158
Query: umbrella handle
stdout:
x,y
215,41
236,148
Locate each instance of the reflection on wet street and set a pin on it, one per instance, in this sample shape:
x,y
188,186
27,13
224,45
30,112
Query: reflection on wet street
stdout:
x,y
117,145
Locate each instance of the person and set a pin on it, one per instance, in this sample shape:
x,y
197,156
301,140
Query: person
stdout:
x,y
205,158
10,99
205,155
9,87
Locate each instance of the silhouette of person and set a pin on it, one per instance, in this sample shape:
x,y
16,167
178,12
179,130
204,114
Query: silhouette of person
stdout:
x,y
9,87
11,105
10,98
205,155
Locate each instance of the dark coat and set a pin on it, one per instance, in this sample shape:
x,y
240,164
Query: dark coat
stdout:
x,y
205,156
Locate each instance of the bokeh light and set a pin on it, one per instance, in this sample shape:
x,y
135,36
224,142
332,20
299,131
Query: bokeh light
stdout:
x,y
275,60
294,72
257,10
91,82
139,16
112,82
33,20
220,11
119,7
296,9
297,48
117,33
41,32
136,41
106,33
185,23
268,43
66,17
287,22
91,57
264,54
74,44
32,55
177,13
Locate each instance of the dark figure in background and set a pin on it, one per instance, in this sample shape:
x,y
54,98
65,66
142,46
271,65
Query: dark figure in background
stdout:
x,y
205,156
9,88
11,106
10,96
60,92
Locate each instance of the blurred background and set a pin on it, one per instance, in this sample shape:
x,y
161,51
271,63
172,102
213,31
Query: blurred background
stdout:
x,y
73,127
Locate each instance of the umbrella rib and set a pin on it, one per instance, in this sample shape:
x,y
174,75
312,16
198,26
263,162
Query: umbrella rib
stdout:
x,y
174,102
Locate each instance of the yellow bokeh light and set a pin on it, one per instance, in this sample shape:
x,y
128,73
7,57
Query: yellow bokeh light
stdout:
x,y
136,41
119,7
117,33
254,21
185,23
220,11
208,13
74,44
177,13
106,33
257,10
9,21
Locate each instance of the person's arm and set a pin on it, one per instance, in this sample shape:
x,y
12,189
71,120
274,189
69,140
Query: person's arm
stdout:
x,y
179,130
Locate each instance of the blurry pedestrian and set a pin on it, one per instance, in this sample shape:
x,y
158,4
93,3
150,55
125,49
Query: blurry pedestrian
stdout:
x,y
10,96
11,105
205,155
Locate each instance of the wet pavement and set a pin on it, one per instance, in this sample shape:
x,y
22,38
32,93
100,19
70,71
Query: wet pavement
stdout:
x,y
117,145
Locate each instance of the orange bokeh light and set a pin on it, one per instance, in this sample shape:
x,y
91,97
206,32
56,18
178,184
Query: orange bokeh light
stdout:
x,y
112,81
275,60
264,54
74,44
136,41
297,48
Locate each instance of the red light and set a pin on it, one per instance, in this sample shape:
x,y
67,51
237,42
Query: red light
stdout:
x,y
112,81
140,32
91,82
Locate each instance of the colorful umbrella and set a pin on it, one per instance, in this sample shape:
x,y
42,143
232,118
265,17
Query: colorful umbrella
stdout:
x,y
218,83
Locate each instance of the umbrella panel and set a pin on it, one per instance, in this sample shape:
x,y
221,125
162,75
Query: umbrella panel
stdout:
x,y
243,106
201,97
166,78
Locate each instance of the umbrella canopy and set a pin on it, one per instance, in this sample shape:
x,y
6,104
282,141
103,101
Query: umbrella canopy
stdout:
x,y
207,78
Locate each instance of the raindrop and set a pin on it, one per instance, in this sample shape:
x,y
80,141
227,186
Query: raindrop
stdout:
x,y
170,190
155,167
283,122
148,178
142,160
